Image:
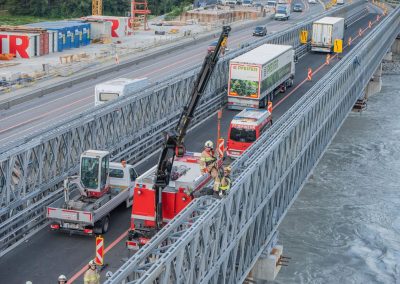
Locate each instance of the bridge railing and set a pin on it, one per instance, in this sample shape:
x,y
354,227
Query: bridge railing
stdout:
x,y
227,238
32,169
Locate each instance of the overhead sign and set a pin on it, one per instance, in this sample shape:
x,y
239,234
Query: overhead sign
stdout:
x,y
338,46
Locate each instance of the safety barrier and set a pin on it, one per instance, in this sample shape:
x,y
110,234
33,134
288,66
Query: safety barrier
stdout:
x,y
130,127
219,241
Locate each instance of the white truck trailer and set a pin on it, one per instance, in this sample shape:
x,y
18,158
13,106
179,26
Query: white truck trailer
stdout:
x,y
115,88
325,32
258,75
101,187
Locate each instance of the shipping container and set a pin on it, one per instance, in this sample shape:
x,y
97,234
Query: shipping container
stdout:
x,y
120,25
59,29
325,32
22,44
255,77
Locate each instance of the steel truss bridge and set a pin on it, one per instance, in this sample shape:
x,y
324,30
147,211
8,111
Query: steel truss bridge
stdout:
x,y
32,168
219,241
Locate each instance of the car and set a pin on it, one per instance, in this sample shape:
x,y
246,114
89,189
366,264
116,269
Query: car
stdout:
x,y
297,7
247,3
260,31
312,1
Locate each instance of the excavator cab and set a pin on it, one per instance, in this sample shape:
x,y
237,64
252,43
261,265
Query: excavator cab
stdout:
x,y
94,172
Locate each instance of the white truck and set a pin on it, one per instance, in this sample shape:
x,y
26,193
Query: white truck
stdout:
x,y
282,11
115,88
100,187
339,2
324,33
258,75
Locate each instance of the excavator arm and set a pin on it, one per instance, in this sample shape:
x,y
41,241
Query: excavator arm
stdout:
x,y
173,145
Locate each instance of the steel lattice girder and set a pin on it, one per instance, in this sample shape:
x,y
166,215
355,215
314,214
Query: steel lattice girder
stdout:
x,y
267,180
30,172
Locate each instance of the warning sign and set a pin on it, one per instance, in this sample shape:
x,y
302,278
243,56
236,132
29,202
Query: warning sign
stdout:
x,y
338,46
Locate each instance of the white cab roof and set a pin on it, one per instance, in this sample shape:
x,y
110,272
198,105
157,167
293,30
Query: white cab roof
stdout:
x,y
250,116
328,20
262,54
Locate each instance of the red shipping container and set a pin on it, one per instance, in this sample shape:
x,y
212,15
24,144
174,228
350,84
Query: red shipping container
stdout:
x,y
23,45
46,42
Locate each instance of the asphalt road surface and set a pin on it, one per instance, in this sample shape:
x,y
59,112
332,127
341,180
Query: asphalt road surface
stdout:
x,y
26,118
48,254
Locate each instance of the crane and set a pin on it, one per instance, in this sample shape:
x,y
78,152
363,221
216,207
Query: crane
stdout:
x,y
97,7
153,188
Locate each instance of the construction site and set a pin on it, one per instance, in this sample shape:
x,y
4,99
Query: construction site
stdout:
x,y
39,51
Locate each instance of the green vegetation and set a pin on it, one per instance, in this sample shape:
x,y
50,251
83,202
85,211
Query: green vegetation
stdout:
x,y
54,9
21,20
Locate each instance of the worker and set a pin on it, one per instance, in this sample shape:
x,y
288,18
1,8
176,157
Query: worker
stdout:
x,y
123,163
214,173
225,183
62,279
207,159
91,275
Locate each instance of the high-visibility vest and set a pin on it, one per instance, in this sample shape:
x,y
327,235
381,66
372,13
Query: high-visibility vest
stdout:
x,y
228,183
207,157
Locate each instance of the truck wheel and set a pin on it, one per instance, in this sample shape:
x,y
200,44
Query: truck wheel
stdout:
x,y
106,224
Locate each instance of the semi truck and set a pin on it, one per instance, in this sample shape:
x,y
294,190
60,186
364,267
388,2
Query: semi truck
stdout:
x,y
324,33
257,76
115,88
90,197
282,11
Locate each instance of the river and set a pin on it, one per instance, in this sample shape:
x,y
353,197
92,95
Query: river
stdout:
x,y
345,225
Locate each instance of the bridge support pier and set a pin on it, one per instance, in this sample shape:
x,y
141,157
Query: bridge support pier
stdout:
x,y
267,266
374,86
396,45
375,83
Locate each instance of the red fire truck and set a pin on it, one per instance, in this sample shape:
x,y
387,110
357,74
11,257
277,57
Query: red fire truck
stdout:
x,y
245,128
163,191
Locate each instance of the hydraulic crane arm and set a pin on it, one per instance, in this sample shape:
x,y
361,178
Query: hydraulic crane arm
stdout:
x,y
173,144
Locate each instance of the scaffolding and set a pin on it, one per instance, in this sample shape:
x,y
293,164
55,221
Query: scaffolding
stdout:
x,y
139,12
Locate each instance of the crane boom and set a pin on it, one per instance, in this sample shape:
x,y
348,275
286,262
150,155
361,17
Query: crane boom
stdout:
x,y
173,145
97,7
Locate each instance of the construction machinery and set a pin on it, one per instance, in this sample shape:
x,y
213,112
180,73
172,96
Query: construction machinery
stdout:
x,y
90,197
163,191
97,7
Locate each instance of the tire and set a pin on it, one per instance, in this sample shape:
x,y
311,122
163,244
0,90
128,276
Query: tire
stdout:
x,y
102,226
105,224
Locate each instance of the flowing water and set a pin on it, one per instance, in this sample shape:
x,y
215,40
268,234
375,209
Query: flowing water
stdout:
x,y
345,225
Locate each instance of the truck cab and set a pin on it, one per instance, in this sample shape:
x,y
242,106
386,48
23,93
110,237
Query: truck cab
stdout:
x,y
282,11
90,197
186,178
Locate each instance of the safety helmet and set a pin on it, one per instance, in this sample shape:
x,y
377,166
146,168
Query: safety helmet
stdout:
x,y
227,169
62,278
209,144
92,262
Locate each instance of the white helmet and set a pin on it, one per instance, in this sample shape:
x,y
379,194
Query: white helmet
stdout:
x,y
92,262
209,144
62,278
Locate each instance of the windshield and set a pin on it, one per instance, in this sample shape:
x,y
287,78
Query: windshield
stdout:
x,y
243,135
297,5
115,173
271,3
105,97
90,172
282,10
259,29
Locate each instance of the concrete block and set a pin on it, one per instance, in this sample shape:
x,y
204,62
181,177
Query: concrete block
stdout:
x,y
388,57
396,46
374,86
266,267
